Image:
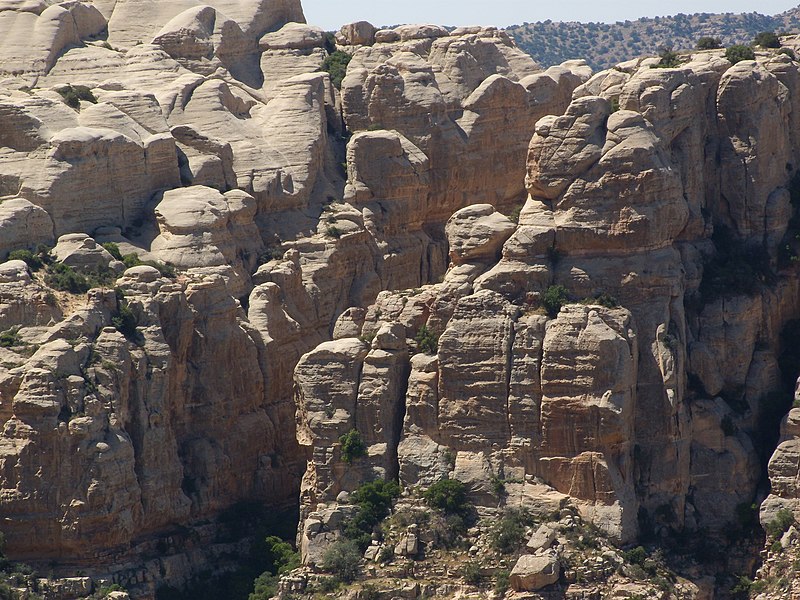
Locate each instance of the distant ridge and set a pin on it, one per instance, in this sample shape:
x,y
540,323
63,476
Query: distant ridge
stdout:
x,y
606,44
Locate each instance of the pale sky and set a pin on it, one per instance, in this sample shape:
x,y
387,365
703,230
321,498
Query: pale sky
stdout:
x,y
331,14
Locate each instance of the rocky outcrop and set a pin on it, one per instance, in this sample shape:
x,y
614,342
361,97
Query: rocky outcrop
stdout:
x,y
599,347
151,441
206,137
637,403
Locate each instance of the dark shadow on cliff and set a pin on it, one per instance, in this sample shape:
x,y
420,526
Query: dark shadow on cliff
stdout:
x,y
247,525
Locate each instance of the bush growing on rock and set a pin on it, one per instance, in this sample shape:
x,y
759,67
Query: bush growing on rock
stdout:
x,y
125,321
353,446
668,59
35,260
767,39
501,583
448,495
508,534
112,249
10,337
553,299
374,502
709,43
282,558
781,523
427,341
336,65
29,258
738,52
343,560
73,94
635,556
471,572
602,299
66,279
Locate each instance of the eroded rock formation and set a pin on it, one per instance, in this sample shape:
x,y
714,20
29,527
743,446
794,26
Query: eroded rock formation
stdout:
x,y
207,137
309,226
647,403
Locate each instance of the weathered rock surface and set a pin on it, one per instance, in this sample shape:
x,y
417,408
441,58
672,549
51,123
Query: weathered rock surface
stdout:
x,y
208,137
532,573
644,402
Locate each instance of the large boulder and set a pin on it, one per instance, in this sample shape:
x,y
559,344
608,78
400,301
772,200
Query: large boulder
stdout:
x,y
532,573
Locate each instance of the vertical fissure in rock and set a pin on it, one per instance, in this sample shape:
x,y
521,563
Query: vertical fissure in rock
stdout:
x,y
509,351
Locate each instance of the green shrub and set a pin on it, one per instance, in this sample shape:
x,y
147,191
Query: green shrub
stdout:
x,y
280,558
635,556
374,502
448,495
386,554
10,337
668,59
73,94
767,39
333,231
6,593
112,249
602,299
471,572
554,298
709,43
502,581
738,52
33,261
788,52
343,560
274,252
265,587
66,279
336,65
513,216
165,269
781,523
281,555
352,445
508,534
125,321
498,486
427,341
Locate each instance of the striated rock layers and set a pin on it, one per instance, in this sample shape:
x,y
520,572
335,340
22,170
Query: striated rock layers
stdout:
x,y
664,228
207,137
616,343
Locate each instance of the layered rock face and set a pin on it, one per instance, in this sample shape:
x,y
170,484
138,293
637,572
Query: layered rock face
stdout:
x,y
308,225
207,137
646,403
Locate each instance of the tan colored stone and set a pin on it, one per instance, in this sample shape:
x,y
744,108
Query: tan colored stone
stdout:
x,y
532,573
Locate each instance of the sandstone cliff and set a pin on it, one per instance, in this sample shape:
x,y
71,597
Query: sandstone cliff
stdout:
x,y
650,398
209,138
573,287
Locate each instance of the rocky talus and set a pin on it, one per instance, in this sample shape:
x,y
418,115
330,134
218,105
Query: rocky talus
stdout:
x,y
229,204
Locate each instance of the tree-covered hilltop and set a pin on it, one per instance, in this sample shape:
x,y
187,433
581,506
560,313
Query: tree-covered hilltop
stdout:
x,y
606,44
